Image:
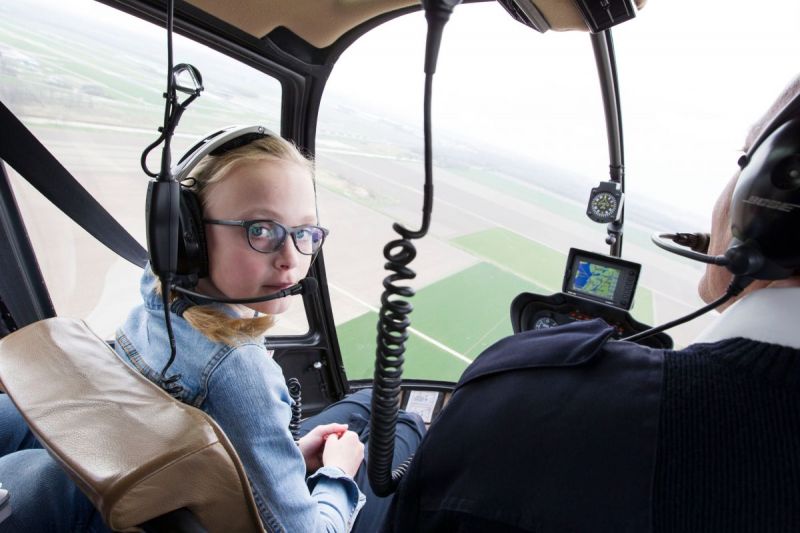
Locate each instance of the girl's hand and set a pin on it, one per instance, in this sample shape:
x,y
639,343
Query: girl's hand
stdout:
x,y
313,442
345,452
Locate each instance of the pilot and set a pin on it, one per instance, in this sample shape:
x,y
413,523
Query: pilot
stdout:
x,y
563,429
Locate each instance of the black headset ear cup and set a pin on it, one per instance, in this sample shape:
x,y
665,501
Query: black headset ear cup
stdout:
x,y
192,250
765,208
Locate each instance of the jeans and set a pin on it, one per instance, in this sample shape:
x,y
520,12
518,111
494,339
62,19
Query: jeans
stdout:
x,y
14,432
354,410
43,498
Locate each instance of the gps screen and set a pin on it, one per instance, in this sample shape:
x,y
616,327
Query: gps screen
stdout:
x,y
597,280
602,278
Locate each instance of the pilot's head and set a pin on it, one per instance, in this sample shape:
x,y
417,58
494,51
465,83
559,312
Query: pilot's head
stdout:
x,y
716,279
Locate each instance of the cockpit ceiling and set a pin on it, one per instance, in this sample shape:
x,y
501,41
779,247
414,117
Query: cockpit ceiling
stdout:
x,y
322,22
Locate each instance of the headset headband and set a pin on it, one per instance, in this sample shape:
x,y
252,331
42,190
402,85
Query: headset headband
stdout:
x,y
791,109
216,142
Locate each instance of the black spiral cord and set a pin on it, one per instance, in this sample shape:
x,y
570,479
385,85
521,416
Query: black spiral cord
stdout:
x,y
393,321
295,389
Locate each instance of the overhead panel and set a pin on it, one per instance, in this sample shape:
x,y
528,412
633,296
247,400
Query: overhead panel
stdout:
x,y
322,22
318,22
571,15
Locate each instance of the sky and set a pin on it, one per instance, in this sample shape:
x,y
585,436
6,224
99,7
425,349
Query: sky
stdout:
x,y
693,77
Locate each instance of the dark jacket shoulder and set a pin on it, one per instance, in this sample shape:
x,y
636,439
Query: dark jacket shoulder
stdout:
x,y
569,345
549,430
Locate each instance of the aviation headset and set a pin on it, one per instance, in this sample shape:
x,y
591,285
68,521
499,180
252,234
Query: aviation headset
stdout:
x,y
765,207
191,260
176,239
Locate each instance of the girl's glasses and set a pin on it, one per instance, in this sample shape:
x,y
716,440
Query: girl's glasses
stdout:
x,y
267,236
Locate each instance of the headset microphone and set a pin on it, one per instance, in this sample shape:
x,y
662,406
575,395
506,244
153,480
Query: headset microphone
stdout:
x,y
305,286
697,242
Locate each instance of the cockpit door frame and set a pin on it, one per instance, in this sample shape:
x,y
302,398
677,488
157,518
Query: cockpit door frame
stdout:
x,y
22,287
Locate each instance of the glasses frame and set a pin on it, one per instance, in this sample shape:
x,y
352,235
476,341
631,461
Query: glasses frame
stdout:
x,y
288,231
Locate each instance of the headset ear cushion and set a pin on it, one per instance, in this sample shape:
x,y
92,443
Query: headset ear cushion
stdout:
x,y
765,207
192,250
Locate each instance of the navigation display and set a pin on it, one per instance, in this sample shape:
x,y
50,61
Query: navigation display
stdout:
x,y
597,280
601,278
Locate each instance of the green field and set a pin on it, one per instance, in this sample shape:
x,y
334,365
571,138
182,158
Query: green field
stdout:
x,y
469,310
477,302
536,263
514,253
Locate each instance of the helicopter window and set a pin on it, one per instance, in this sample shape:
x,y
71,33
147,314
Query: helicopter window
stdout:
x,y
87,80
519,141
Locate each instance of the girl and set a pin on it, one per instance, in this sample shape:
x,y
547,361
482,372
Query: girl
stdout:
x,y
259,212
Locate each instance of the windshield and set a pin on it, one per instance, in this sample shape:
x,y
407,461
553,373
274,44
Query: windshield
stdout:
x,y
519,141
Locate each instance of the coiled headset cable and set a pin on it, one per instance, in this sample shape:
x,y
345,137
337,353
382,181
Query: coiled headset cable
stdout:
x,y
295,389
393,321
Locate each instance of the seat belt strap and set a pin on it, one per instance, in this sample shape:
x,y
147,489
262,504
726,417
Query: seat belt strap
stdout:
x,y
23,151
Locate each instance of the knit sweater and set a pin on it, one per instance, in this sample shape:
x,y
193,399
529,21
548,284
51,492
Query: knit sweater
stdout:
x,y
728,449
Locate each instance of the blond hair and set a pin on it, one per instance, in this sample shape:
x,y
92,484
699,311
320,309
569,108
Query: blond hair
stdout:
x,y
218,326
209,320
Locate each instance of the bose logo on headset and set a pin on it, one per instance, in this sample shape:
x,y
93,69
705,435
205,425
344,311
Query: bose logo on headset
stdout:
x,y
765,221
771,204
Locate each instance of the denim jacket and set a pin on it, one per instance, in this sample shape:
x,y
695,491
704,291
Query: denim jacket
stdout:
x,y
244,391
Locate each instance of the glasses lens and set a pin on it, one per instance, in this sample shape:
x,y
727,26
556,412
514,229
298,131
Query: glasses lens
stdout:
x,y
265,236
308,239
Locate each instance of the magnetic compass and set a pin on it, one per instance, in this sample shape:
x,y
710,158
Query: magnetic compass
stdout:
x,y
605,202
545,323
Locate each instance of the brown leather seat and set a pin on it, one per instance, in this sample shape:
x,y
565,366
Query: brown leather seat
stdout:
x,y
136,452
